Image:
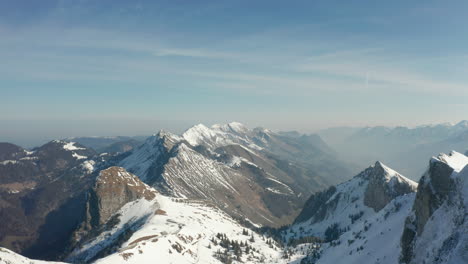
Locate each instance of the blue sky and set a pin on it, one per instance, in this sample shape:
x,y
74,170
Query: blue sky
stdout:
x,y
91,67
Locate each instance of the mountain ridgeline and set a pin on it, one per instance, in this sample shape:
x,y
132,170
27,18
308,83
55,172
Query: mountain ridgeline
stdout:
x,y
256,174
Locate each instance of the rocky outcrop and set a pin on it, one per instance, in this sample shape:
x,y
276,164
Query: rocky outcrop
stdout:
x,y
114,188
384,186
439,205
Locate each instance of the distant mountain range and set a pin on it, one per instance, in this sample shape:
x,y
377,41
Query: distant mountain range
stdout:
x,y
405,149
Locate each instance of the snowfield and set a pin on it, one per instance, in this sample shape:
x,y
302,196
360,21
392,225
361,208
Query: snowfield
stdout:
x,y
183,231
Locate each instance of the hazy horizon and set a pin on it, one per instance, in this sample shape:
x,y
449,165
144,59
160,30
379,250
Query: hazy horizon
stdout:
x,y
82,68
28,141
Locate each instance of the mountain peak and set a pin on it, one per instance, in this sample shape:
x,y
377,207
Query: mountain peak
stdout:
x,y
384,185
462,124
197,133
162,136
231,127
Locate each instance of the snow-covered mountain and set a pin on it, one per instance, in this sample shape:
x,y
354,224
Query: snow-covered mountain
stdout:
x,y
380,216
215,194
350,203
236,168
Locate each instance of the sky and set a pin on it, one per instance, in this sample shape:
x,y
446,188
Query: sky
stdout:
x,y
116,67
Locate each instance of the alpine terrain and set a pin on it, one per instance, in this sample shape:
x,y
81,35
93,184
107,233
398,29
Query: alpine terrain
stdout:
x,y
226,194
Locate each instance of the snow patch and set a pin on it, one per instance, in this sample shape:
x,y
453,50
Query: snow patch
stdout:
x,y
71,146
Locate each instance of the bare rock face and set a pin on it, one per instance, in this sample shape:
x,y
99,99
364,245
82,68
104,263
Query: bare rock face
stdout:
x,y
384,186
114,188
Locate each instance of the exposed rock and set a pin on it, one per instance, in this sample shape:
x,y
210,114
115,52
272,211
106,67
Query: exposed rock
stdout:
x,y
385,185
114,188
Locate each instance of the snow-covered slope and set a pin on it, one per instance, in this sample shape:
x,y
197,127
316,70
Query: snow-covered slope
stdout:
x,y
351,202
222,165
149,158
10,257
220,135
360,220
374,240
187,231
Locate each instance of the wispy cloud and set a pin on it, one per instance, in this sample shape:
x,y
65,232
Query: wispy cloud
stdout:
x,y
94,54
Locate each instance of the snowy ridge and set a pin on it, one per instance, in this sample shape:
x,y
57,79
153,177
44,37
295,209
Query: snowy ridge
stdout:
x,y
9,257
183,231
392,176
195,166
220,135
346,205
149,153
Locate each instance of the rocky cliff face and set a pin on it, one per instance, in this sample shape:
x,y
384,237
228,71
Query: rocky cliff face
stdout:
x,y
384,185
114,188
435,231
